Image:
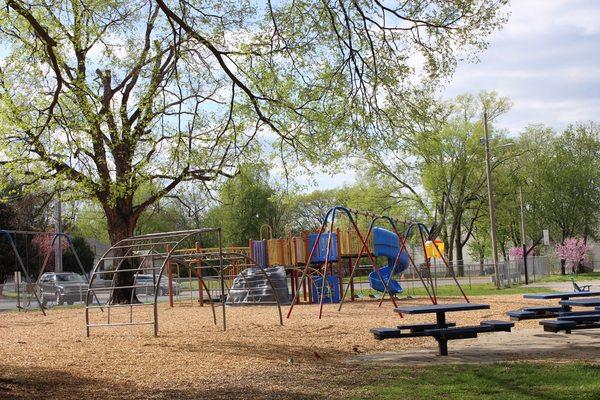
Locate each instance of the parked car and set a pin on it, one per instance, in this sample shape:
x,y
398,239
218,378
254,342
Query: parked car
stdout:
x,y
63,287
145,285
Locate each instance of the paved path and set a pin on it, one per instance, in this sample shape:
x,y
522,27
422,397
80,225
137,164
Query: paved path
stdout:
x,y
520,345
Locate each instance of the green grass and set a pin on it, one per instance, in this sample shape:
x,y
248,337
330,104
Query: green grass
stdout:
x,y
11,295
588,276
476,289
193,285
502,381
358,279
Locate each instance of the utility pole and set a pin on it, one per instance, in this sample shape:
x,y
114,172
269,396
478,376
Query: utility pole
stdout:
x,y
522,205
58,267
490,189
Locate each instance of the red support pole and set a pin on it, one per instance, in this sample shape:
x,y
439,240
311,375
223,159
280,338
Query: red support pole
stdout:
x,y
403,247
427,262
448,268
360,255
412,261
340,263
373,263
294,274
310,256
305,293
327,251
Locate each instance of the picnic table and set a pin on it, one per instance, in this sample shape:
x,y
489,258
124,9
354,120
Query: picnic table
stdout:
x,y
441,330
440,310
545,311
568,321
594,302
560,295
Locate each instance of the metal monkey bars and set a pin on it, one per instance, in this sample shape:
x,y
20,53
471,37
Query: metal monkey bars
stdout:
x,y
153,254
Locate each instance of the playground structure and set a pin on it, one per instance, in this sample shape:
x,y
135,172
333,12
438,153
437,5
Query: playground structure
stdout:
x,y
376,242
32,285
316,267
251,286
158,255
321,266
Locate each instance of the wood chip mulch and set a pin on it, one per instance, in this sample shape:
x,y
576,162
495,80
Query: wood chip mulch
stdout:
x,y
50,357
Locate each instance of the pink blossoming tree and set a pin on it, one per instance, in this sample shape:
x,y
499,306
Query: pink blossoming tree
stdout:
x,y
515,253
44,248
574,251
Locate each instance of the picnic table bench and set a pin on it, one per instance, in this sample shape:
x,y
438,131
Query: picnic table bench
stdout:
x,y
595,302
541,312
441,330
568,321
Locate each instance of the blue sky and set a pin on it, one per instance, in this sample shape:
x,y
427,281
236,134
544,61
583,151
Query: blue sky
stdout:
x,y
546,59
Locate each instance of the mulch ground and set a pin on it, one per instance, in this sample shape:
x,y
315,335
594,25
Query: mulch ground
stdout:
x,y
50,357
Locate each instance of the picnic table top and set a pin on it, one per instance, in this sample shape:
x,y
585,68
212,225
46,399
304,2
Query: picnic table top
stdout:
x,y
561,295
595,302
436,308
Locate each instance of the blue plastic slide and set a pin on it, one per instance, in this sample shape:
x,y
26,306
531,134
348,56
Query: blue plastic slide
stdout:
x,y
386,245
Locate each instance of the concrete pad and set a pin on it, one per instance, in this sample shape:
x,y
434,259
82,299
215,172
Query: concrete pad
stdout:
x,y
520,345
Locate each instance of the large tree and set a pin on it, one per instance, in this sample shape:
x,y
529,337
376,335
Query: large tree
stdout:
x,y
561,180
247,204
108,97
442,168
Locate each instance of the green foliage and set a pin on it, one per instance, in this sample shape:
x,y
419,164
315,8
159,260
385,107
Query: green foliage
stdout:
x,y
451,168
110,98
90,222
563,177
84,252
247,203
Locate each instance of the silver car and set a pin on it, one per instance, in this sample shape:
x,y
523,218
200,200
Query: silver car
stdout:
x,y
63,287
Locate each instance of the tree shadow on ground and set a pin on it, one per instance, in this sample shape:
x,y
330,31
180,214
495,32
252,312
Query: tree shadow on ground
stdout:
x,y
28,383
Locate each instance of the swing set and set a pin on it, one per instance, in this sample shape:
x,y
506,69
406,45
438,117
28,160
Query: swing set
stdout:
x,y
327,229
32,286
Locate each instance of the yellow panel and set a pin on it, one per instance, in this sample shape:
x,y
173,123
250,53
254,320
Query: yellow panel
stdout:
x,y
350,243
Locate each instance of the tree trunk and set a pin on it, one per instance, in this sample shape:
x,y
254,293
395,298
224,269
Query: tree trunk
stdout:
x,y
451,246
121,224
481,260
460,262
562,267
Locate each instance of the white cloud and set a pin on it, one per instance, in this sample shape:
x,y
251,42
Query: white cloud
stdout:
x,y
546,59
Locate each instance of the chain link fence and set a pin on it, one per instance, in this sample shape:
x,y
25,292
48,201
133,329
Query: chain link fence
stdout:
x,y
510,272
14,297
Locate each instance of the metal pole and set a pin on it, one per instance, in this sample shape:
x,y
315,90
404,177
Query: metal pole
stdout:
x,y
523,234
169,278
222,278
58,266
490,189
